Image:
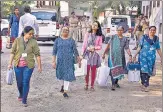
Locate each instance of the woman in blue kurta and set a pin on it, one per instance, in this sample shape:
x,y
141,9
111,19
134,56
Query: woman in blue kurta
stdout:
x,y
148,46
64,55
14,25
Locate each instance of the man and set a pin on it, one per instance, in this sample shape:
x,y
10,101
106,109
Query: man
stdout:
x,y
73,22
84,26
138,30
28,20
88,24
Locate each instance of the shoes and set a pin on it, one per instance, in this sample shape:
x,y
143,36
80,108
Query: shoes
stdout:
x,y
65,95
62,89
25,105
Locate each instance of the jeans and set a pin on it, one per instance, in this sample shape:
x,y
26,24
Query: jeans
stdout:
x,y
145,79
23,75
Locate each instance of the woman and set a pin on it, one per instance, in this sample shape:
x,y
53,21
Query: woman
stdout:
x,y
116,60
90,50
148,46
23,51
65,52
14,25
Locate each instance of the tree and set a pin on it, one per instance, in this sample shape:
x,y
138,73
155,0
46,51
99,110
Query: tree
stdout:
x,y
7,7
118,5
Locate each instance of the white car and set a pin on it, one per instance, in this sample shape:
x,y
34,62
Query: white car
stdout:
x,y
112,22
4,27
47,21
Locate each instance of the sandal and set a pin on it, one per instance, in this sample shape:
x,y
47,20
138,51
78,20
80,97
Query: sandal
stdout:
x,y
113,88
62,89
86,87
92,89
117,85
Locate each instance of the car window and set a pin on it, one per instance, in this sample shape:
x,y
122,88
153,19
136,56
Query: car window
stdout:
x,y
45,15
116,21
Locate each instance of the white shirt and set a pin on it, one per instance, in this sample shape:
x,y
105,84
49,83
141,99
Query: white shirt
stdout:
x,y
28,20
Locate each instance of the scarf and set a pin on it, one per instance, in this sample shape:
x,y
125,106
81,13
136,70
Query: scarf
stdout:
x,y
115,58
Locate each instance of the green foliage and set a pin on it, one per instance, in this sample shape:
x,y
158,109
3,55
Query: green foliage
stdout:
x,y
118,5
8,6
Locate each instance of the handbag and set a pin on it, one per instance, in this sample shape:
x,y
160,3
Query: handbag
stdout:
x,y
10,76
133,66
133,75
81,71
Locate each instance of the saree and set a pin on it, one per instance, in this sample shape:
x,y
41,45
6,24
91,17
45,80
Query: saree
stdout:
x,y
115,58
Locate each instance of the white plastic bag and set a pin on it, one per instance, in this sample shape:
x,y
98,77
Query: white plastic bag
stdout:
x,y
103,75
10,76
81,71
133,75
9,43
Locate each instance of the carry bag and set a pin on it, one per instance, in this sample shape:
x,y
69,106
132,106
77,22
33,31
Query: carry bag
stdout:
x,y
133,71
9,43
103,75
82,70
10,76
133,75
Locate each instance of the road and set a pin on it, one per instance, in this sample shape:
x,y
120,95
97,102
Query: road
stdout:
x,y
44,93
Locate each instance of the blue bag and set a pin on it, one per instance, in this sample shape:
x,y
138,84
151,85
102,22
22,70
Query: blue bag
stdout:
x,y
133,66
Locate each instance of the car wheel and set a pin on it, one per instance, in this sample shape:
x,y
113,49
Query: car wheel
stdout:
x,y
4,32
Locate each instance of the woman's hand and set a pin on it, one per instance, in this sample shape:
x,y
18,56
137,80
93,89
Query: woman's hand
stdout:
x,y
134,59
103,56
130,58
54,65
39,69
10,66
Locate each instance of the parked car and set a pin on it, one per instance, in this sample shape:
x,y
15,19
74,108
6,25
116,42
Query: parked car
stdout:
x,y
111,24
4,27
48,23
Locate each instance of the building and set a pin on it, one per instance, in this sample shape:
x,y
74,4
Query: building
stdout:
x,y
153,10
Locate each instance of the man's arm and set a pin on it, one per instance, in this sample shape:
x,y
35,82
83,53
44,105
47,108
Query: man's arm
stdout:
x,y
20,27
36,27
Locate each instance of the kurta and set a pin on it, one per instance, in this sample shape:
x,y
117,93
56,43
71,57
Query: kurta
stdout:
x,y
65,50
148,55
14,23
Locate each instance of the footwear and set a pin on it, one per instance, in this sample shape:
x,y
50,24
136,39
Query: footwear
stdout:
x,y
142,88
62,90
65,95
113,88
19,99
92,89
117,85
25,105
86,87
146,89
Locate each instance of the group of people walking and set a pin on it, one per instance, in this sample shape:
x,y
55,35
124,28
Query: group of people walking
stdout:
x,y
65,55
